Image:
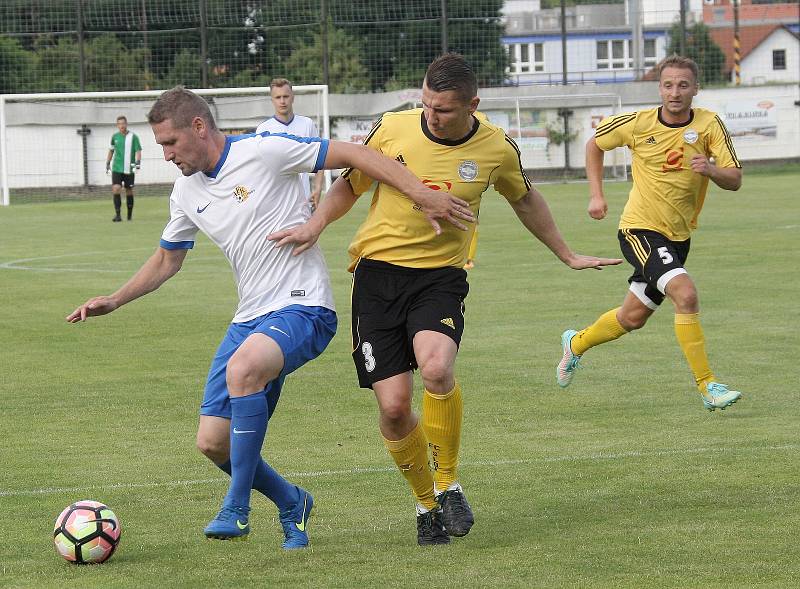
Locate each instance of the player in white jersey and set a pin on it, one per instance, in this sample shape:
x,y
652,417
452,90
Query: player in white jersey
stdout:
x,y
237,190
286,121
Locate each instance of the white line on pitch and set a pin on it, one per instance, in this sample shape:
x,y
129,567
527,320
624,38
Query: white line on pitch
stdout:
x,y
598,456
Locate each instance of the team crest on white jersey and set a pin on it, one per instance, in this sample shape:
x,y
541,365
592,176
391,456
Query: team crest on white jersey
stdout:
x,y
468,170
690,136
241,193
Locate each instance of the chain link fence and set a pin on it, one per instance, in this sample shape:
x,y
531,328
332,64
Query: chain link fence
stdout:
x,y
357,46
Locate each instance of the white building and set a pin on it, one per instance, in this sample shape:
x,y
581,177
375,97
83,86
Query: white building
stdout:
x,y
599,47
775,59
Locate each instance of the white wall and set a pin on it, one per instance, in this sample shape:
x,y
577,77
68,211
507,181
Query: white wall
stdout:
x,y
51,155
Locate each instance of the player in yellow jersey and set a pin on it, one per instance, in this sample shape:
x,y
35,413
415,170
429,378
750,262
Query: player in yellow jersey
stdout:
x,y
409,284
672,146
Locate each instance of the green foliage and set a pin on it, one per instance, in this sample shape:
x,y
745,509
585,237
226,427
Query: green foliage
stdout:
x,y
388,45
185,71
110,65
347,72
15,65
702,49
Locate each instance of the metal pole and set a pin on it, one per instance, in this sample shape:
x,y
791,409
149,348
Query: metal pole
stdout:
x,y
444,26
737,52
203,45
682,39
565,114
143,21
637,38
5,200
84,132
81,49
323,9
564,42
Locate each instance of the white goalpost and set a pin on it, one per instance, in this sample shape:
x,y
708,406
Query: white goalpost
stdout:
x,y
55,145
536,123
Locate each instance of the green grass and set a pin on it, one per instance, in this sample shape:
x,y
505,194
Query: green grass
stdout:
x,y
623,480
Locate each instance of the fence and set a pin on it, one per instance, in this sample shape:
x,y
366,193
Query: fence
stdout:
x,y
357,46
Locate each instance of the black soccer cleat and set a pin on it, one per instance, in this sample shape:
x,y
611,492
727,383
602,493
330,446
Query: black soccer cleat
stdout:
x,y
117,219
457,515
430,530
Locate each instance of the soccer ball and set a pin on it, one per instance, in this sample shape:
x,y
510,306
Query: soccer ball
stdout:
x,y
86,532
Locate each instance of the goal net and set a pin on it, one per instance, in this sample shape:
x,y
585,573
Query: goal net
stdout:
x,y
549,150
54,146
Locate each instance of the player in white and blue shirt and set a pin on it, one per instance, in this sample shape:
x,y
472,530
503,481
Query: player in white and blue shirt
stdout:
x,y
238,191
285,120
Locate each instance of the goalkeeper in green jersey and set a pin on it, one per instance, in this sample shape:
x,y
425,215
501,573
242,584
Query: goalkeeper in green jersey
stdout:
x,y
124,157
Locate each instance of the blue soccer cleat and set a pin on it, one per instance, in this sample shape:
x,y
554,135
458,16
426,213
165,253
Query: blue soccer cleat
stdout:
x,y
231,523
718,396
569,361
295,521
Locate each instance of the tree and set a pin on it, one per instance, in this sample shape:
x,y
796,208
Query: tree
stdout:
x,y
16,65
346,71
701,48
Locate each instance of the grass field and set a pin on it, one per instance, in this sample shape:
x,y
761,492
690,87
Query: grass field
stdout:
x,y
623,480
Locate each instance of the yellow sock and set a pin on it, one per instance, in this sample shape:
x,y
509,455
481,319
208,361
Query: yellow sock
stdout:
x,y
693,343
605,329
411,456
441,418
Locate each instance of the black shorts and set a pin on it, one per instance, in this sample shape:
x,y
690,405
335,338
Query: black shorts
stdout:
x,y
390,304
125,179
655,260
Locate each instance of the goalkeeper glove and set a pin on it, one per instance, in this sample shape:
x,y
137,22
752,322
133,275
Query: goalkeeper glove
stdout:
x,y
138,165
108,167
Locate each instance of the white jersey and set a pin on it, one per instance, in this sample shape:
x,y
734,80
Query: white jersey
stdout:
x,y
298,125
253,191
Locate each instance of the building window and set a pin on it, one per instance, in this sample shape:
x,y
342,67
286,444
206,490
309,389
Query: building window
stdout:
x,y
617,54
526,57
650,52
779,59
614,54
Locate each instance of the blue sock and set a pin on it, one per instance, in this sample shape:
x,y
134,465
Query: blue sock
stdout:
x,y
270,484
248,428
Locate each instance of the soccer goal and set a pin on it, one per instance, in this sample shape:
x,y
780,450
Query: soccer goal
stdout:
x,y
54,146
548,148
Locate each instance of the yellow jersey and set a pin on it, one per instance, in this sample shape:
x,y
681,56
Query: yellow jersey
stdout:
x,y
667,196
396,230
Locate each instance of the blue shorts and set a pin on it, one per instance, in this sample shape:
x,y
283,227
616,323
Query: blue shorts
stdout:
x,y
302,334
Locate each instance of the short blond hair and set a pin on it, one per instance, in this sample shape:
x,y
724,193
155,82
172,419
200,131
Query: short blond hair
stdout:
x,y
279,83
680,62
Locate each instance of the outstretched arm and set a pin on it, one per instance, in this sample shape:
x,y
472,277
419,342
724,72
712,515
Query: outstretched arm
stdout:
x,y
435,204
161,266
338,200
598,207
534,213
